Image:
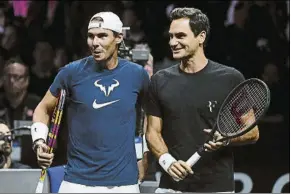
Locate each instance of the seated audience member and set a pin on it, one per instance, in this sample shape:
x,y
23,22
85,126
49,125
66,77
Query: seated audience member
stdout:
x,y
16,104
6,149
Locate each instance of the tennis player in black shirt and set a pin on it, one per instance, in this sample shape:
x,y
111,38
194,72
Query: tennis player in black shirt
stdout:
x,y
183,99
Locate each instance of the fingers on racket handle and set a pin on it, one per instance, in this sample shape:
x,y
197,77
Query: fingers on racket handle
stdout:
x,y
193,159
201,151
39,187
175,179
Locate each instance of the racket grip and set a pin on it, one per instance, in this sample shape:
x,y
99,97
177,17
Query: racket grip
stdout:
x,y
39,187
201,151
193,159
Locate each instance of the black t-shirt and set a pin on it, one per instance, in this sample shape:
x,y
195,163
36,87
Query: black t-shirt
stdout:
x,y
23,112
183,101
39,86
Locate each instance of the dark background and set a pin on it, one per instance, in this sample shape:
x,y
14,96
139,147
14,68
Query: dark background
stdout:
x,y
254,38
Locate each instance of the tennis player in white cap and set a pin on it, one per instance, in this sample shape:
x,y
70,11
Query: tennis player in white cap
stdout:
x,y
101,114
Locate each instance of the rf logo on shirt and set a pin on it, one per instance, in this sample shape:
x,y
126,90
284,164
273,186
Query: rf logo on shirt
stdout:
x,y
211,105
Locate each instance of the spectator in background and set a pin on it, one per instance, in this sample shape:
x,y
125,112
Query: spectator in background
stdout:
x,y
16,104
265,30
11,42
43,70
54,24
35,20
135,35
278,12
61,57
6,149
260,24
271,77
275,125
75,41
237,48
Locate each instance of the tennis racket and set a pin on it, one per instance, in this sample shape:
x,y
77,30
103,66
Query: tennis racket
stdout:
x,y
239,113
54,129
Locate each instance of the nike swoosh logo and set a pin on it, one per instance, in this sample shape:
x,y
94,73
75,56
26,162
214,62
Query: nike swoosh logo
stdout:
x,y
97,106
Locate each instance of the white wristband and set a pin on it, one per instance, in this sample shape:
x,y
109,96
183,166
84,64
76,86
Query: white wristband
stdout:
x,y
39,131
144,145
166,160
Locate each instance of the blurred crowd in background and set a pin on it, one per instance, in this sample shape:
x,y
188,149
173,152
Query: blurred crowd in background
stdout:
x,y
42,36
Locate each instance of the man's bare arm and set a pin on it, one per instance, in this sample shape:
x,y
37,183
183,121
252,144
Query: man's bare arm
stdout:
x,y
40,130
45,108
154,136
41,117
250,137
176,169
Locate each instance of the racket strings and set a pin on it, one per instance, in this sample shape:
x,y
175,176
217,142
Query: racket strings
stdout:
x,y
242,108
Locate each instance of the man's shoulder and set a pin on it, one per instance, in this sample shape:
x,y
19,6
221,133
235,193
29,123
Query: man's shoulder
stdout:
x,y
77,64
132,68
224,69
82,60
131,64
161,74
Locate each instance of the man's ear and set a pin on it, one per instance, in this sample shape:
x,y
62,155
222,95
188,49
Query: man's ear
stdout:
x,y
202,37
119,38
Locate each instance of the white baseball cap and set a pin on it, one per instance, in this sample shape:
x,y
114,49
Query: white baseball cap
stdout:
x,y
110,21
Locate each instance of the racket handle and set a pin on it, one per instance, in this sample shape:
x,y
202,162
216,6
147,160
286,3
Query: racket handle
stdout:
x,y
39,187
193,159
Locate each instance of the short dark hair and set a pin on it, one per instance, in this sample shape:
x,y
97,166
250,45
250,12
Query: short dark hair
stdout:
x,y
17,60
198,20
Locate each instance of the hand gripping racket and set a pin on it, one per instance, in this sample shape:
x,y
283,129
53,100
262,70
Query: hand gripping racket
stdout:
x,y
54,129
239,113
